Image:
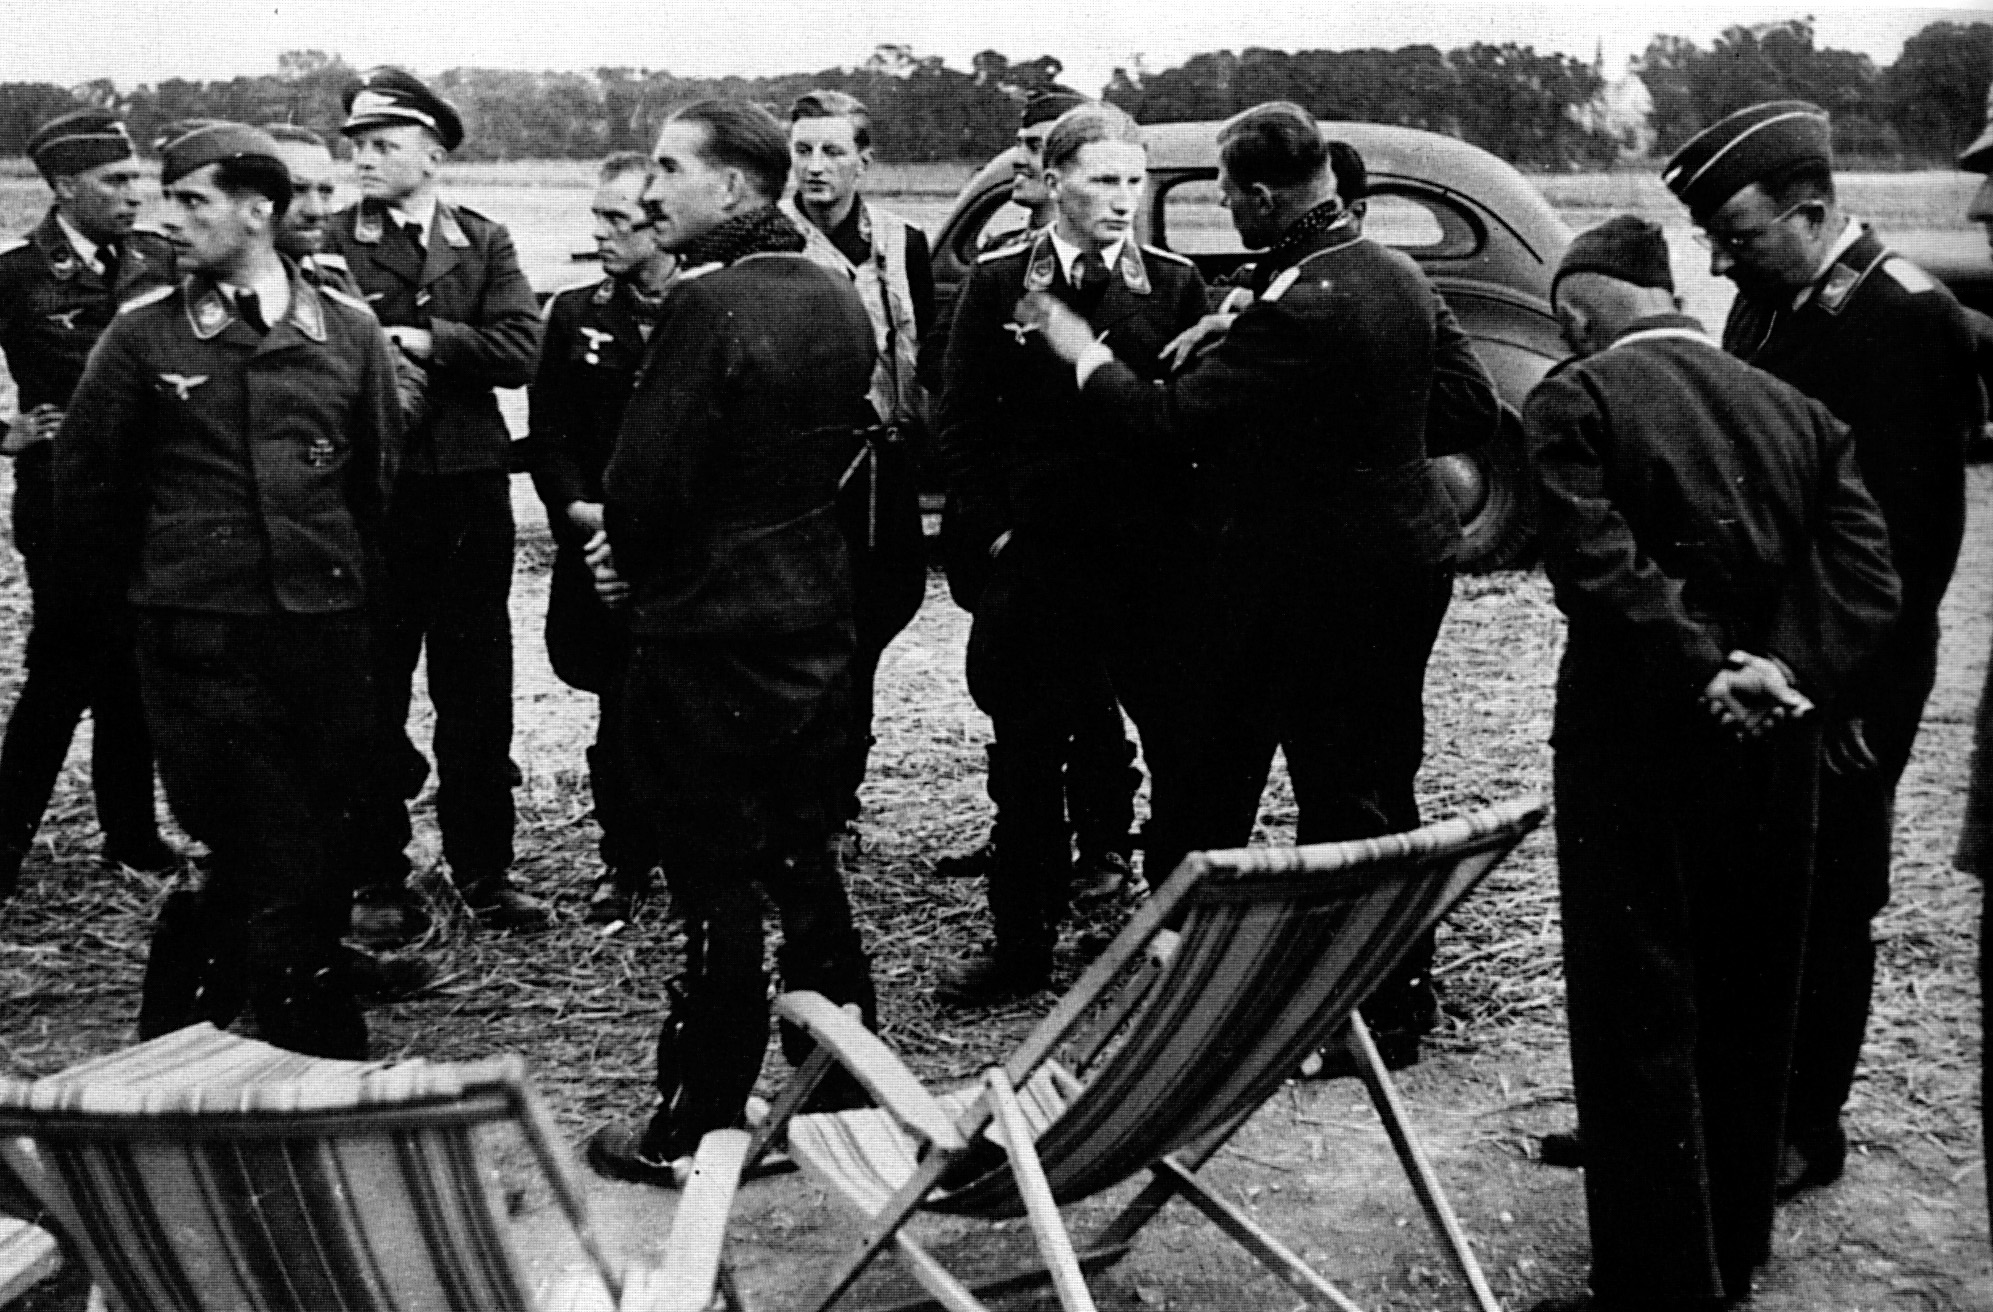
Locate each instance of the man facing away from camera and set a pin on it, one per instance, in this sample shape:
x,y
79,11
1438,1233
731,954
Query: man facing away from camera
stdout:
x,y
719,506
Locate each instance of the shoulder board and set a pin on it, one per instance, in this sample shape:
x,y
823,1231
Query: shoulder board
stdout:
x,y
148,297
1017,247
346,299
1908,276
1281,282
1162,254
19,243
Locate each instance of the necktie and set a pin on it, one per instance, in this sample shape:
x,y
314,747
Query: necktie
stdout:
x,y
250,309
414,231
1090,271
108,255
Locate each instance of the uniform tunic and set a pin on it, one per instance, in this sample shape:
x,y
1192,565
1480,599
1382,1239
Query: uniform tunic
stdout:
x,y
1690,506
53,307
594,343
1885,347
1094,573
450,545
232,487
719,508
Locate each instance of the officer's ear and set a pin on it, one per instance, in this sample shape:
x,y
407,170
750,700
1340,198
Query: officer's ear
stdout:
x,y
1265,203
64,187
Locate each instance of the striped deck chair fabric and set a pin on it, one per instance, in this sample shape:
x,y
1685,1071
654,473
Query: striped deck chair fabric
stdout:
x,y
206,1171
1271,952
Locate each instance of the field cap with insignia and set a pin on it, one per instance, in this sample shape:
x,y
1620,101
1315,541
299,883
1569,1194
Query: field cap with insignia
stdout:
x,y
211,145
79,141
1044,104
1978,157
1746,147
1625,247
389,97
178,128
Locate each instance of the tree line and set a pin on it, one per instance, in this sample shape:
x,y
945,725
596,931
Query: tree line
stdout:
x,y
1536,110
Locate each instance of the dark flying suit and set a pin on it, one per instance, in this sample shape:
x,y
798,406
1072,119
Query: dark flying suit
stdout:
x,y
1690,506
1884,346
1335,562
232,485
720,517
450,543
1093,573
53,307
880,502
593,344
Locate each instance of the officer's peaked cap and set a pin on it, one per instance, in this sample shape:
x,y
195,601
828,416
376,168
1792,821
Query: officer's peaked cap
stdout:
x,y
389,97
1978,157
1044,104
1746,147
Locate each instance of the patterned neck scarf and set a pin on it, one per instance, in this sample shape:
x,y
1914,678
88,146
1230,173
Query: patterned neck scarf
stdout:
x,y
757,231
1305,234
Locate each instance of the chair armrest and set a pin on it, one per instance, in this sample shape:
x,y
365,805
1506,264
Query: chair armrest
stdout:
x,y
28,1256
698,1230
876,1066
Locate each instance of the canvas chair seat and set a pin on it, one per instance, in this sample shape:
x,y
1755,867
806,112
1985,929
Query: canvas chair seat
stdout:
x,y
203,1170
1241,965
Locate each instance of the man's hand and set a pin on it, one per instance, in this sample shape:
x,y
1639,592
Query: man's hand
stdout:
x,y
1065,332
29,428
586,516
609,586
1202,336
417,342
1845,750
1751,694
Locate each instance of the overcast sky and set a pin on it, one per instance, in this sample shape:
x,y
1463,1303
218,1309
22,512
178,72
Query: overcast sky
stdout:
x,y
133,41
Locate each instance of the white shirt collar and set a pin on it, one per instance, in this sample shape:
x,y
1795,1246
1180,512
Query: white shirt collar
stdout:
x,y
1069,255
420,210
83,246
1850,234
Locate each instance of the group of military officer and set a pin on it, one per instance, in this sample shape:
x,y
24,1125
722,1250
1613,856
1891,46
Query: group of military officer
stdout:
x,y
282,475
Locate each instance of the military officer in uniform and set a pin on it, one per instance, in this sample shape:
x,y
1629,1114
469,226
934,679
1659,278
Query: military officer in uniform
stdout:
x,y
446,283
225,467
59,288
1723,571
1101,778
1336,538
719,503
886,258
306,231
1089,545
1823,304
594,343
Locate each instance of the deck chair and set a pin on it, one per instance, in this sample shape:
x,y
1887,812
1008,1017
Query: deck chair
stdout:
x,y
1238,967
206,1171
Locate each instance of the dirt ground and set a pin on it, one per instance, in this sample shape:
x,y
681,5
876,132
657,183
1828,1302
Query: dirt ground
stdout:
x,y
1905,1230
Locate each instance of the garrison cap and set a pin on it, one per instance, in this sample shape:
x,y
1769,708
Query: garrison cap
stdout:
x,y
1978,157
213,144
178,128
1745,147
1625,247
1043,104
390,97
79,141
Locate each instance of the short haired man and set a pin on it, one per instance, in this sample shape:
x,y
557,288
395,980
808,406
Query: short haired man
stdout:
x,y
886,258
1723,571
1091,543
719,507
59,288
1101,776
1824,305
306,234
1335,556
446,283
593,346
225,467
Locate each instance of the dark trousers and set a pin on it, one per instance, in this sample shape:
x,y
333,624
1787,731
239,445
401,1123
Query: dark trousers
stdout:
x,y
731,740
629,832
1684,868
878,511
1857,828
449,575
1337,683
1063,629
74,662
589,647
266,733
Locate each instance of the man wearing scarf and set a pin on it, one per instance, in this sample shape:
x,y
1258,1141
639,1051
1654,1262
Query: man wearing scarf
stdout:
x,y
1336,542
721,524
